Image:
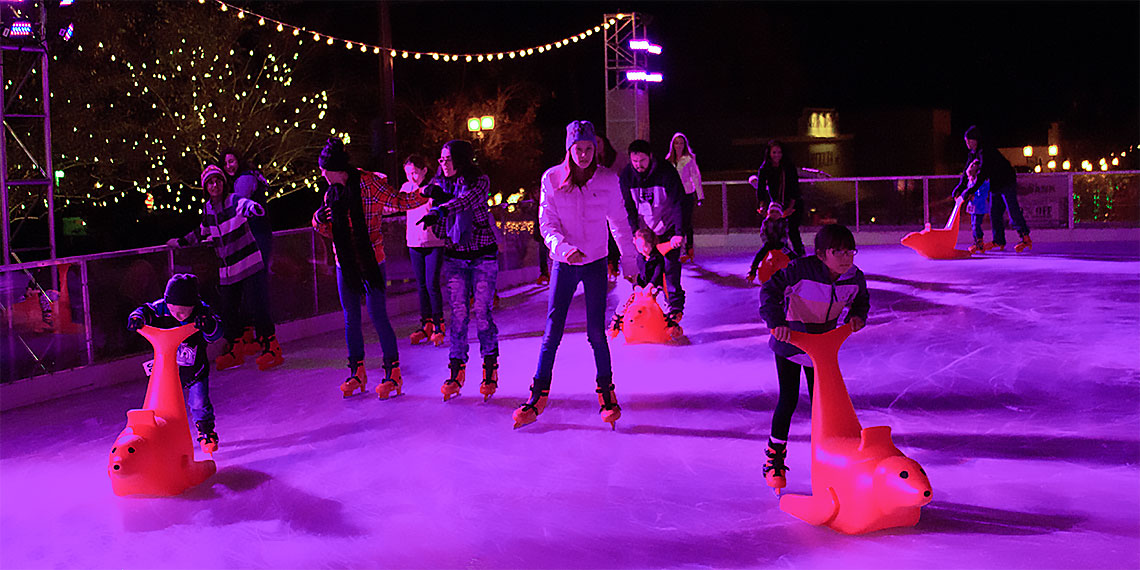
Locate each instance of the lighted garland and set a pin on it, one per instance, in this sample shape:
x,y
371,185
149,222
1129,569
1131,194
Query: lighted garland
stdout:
x,y
301,32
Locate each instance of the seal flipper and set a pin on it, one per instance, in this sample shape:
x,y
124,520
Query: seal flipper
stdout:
x,y
812,509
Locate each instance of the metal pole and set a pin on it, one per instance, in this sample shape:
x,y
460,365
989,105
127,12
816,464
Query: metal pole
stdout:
x,y
856,205
1072,213
313,264
926,201
4,168
724,206
50,174
87,314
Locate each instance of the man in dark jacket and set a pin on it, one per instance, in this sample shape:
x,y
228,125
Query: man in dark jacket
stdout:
x,y
1003,188
653,198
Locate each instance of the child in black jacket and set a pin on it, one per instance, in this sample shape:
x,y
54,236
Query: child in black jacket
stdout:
x,y
181,305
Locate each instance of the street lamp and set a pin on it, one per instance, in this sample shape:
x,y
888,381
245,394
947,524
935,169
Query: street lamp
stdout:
x,y
480,125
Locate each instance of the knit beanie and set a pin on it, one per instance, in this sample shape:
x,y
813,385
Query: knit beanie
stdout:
x,y
775,206
333,156
182,289
210,171
580,131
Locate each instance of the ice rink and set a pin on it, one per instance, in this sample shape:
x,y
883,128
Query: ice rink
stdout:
x,y
1013,379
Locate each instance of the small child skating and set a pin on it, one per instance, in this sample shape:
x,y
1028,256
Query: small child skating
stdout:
x,y
652,273
774,228
181,305
977,198
809,295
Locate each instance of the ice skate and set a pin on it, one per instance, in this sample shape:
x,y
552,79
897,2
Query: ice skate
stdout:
x,y
774,468
673,324
437,336
357,380
232,356
451,386
270,353
393,381
248,342
995,247
609,408
207,437
528,412
426,330
978,247
542,280
1025,245
490,377
614,328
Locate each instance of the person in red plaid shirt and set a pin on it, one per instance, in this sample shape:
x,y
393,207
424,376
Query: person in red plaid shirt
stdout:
x,y
350,215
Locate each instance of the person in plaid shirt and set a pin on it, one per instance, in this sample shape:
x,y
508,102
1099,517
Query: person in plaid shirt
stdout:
x,y
351,215
462,217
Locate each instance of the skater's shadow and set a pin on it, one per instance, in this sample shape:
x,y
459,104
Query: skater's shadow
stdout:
x,y
327,433
923,285
731,281
236,495
956,518
1091,450
696,432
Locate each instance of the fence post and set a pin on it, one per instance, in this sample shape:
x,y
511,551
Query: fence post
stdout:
x,y
925,201
86,292
856,205
313,265
724,206
1072,214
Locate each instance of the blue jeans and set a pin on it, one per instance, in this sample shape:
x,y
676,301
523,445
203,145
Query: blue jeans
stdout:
x,y
426,261
377,307
976,225
465,278
564,280
674,294
201,409
1003,199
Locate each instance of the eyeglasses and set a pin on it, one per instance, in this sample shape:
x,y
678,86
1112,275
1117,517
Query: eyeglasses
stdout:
x,y
445,160
844,252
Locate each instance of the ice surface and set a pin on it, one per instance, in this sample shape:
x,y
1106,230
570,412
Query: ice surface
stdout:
x,y
1014,380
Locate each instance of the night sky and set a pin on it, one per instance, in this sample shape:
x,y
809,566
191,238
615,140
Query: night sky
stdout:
x,y
744,69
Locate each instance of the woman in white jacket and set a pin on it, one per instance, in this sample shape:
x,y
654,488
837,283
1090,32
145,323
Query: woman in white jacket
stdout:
x,y
682,158
578,198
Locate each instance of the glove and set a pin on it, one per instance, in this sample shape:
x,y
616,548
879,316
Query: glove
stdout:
x,y
324,214
172,242
436,193
203,321
249,208
135,322
433,216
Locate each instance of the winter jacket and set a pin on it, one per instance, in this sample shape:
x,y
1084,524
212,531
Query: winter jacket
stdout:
x,y
252,184
193,362
375,195
995,168
775,232
690,176
803,298
779,184
653,199
574,217
417,235
469,202
229,233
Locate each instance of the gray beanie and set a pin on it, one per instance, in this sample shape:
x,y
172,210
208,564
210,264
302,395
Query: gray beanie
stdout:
x,y
580,131
182,289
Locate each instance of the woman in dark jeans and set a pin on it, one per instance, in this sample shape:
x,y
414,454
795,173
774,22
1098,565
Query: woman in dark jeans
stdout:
x,y
778,180
425,251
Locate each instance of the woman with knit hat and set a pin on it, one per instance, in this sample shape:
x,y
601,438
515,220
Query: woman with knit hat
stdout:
x,y
351,216
578,198
241,269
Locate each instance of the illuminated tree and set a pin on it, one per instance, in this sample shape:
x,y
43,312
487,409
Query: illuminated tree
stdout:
x,y
151,92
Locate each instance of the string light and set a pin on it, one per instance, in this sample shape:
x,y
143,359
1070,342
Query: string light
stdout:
x,y
405,54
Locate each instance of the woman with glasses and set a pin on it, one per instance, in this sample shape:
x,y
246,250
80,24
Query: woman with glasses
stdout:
x,y
461,216
809,295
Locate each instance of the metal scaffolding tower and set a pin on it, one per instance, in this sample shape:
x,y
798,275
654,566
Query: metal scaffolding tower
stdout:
x,y
27,183
627,102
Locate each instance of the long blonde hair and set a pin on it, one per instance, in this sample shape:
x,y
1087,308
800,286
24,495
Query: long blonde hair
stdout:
x,y
671,157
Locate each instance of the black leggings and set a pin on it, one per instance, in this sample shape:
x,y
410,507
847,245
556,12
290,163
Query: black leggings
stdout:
x,y
789,375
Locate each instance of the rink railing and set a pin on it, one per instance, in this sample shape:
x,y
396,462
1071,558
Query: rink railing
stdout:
x,y
75,313
1052,200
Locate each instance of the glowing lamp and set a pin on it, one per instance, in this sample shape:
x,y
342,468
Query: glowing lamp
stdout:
x,y
1115,161
20,29
643,76
1027,151
473,124
1066,165
487,122
1037,168
1052,164
1052,150
644,45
